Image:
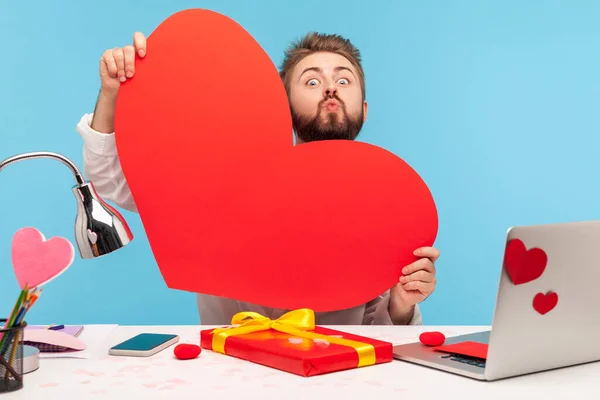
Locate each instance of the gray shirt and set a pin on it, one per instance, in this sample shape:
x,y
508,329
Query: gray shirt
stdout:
x,y
101,166
219,311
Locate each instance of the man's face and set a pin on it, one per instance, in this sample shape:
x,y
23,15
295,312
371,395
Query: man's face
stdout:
x,y
326,98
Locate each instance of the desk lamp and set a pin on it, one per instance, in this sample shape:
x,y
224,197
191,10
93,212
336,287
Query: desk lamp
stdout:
x,y
99,228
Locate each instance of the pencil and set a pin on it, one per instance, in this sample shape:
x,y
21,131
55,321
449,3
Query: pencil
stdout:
x,y
13,352
22,306
11,318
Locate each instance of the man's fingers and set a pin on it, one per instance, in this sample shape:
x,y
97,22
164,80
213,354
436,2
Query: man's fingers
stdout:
x,y
119,56
120,62
429,252
139,42
423,287
129,53
111,65
422,275
422,264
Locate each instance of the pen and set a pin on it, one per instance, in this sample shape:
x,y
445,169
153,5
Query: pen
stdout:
x,y
56,327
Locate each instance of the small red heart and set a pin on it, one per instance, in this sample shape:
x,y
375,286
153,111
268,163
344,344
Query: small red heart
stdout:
x,y
524,265
230,206
432,338
544,303
185,351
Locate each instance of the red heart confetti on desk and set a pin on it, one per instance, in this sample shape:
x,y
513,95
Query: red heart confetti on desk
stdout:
x,y
432,338
36,261
524,265
185,351
543,303
230,206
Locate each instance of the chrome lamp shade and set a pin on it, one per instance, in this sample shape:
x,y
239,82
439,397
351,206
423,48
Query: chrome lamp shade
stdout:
x,y
99,228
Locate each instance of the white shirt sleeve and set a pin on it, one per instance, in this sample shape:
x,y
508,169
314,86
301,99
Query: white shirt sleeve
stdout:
x,y
102,167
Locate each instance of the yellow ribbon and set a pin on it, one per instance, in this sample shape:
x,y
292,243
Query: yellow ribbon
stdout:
x,y
296,323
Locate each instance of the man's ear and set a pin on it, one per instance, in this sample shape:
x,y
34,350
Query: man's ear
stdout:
x,y
365,111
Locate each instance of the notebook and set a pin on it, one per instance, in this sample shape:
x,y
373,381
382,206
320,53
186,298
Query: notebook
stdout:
x,y
46,347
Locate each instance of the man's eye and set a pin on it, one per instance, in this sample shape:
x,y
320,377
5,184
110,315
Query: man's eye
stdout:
x,y
343,81
312,82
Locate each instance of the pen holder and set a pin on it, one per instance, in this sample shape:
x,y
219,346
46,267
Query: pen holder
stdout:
x,y
11,357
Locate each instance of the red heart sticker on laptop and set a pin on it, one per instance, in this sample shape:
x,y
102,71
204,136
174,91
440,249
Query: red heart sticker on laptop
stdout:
x,y
230,206
524,265
544,303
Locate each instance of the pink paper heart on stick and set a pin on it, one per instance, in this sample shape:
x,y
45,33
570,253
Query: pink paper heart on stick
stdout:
x,y
37,261
92,236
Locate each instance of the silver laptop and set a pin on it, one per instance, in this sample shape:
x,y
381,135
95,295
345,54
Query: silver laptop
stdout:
x,y
522,340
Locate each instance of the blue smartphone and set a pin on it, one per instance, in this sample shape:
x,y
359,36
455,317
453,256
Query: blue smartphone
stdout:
x,y
144,345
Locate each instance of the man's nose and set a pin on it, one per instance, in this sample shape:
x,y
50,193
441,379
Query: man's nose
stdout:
x,y
330,91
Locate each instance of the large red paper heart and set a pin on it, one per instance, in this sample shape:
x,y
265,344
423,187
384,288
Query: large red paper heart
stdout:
x,y
524,265
36,261
230,206
544,303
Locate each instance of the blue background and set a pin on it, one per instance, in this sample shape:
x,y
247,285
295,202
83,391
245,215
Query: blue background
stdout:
x,y
495,104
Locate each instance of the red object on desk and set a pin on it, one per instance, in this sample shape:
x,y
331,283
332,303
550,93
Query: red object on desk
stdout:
x,y
471,349
302,356
432,338
184,351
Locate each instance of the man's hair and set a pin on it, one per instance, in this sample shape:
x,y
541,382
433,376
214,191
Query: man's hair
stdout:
x,y
315,42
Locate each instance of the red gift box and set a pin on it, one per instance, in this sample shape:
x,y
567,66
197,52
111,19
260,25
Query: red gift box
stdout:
x,y
294,344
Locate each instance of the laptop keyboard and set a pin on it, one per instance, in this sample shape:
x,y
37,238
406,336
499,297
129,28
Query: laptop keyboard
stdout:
x,y
466,360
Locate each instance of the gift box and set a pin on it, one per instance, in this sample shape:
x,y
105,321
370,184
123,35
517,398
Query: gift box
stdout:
x,y
294,344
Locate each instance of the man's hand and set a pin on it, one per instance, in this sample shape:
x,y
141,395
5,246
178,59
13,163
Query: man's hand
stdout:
x,y
116,66
416,284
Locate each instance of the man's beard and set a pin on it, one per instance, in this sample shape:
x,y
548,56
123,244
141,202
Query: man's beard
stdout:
x,y
336,126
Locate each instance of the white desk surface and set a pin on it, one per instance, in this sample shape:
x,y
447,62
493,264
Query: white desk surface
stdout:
x,y
217,376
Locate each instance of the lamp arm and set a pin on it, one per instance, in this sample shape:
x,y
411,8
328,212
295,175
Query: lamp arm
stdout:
x,y
44,154
99,228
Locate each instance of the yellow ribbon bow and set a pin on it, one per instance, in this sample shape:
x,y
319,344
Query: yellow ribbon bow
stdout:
x,y
297,323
